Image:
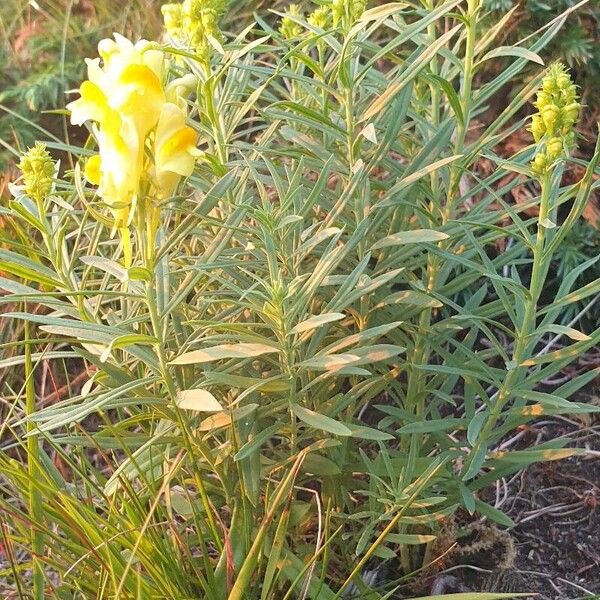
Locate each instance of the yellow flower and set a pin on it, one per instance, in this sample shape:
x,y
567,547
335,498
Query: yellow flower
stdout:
x,y
174,149
129,83
131,110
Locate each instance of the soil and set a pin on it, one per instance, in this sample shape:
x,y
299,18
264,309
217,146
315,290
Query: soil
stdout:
x,y
556,507
558,532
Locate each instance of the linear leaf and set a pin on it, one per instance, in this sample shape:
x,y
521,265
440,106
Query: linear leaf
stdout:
x,y
240,350
319,421
417,236
199,400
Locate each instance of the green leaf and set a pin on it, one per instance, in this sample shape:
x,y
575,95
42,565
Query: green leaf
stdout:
x,y
224,351
321,422
224,419
433,425
546,399
409,538
475,426
106,265
493,513
571,333
317,321
25,268
417,236
413,298
320,466
515,51
477,460
368,433
527,457
198,400
331,362
256,441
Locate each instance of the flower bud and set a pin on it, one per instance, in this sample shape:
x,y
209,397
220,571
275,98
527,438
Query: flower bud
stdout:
x,y
537,128
346,12
571,113
319,17
550,114
558,111
38,170
554,148
173,19
539,164
563,81
289,28
193,22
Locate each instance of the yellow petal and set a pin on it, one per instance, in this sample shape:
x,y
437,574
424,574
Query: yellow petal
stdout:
x,y
139,93
175,154
174,149
93,169
180,88
91,106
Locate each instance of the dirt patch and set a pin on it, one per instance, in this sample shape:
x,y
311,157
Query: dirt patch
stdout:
x,y
556,507
558,532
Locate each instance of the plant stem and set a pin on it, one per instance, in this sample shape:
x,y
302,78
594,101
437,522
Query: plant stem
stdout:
x,y
33,454
415,394
523,335
172,388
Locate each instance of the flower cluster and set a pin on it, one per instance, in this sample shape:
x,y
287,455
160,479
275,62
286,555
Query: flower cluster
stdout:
x,y
341,13
320,17
193,23
558,111
144,144
37,168
346,12
289,28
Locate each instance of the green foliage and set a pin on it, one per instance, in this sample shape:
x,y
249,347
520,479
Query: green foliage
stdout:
x,y
290,373
577,45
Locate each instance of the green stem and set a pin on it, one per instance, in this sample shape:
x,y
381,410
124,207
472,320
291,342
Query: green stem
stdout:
x,y
172,388
415,394
528,324
217,127
33,453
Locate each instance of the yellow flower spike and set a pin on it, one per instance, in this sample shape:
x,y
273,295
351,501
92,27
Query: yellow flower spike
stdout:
x,y
199,23
173,19
289,29
552,126
37,168
144,144
319,17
